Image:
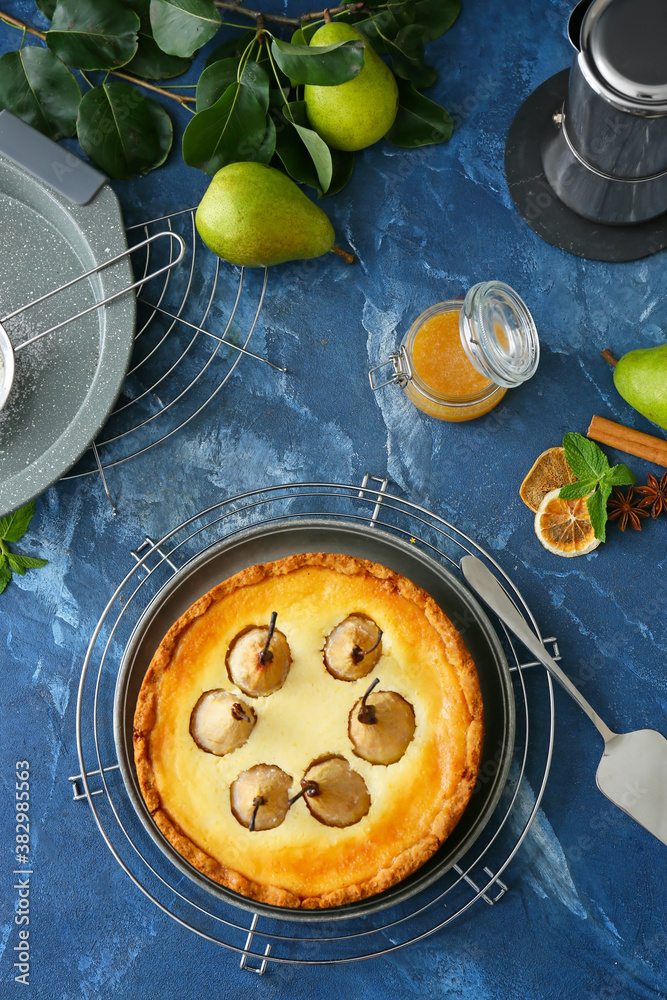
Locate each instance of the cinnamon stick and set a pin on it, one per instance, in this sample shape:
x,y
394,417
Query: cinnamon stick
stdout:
x,y
632,442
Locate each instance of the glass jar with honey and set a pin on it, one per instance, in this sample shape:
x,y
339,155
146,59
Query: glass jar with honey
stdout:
x,y
459,358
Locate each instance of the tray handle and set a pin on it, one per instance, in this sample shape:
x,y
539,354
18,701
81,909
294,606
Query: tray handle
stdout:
x,y
50,163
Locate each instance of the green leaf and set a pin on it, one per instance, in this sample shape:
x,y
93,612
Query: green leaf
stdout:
x,y
93,35
5,577
343,165
180,27
21,563
14,526
232,47
320,154
38,88
620,475
304,154
214,81
276,76
293,155
15,564
586,460
150,61
268,147
47,7
384,25
220,75
303,35
123,132
589,463
232,129
407,56
597,510
257,80
165,131
572,491
323,66
420,121
436,16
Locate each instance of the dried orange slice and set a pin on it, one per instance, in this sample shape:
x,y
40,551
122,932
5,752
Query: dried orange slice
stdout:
x,y
549,471
564,527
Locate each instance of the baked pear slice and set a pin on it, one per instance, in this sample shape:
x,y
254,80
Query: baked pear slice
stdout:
x,y
259,659
335,794
381,726
260,797
353,648
220,723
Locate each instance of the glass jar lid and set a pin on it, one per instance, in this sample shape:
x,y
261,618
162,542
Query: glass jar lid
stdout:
x,y
499,334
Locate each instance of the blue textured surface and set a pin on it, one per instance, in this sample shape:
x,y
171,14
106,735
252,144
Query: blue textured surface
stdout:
x,y
585,915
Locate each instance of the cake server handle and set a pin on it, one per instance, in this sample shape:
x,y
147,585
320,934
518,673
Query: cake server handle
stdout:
x,y
480,579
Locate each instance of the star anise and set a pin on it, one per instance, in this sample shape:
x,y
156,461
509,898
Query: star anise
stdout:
x,y
655,494
626,508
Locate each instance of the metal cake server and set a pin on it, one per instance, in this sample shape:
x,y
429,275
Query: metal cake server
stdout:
x,y
633,769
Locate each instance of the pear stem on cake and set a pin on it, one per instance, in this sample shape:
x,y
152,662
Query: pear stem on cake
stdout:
x,y
358,653
367,714
257,802
238,713
266,656
309,788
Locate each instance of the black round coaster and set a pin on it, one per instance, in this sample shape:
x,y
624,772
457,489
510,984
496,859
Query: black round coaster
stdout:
x,y
539,205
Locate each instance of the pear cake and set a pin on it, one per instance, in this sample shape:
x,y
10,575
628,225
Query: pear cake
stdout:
x,y
309,732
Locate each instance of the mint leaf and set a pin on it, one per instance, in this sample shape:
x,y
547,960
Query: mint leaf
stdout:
x,y
594,478
15,564
620,475
597,510
14,526
21,563
572,491
586,460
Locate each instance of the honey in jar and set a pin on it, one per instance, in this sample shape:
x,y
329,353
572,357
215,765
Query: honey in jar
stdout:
x,y
458,359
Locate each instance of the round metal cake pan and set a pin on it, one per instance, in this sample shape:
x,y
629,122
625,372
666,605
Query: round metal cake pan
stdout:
x,y
66,384
266,543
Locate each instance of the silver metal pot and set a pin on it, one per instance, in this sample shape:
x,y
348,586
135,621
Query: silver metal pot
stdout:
x,y
607,155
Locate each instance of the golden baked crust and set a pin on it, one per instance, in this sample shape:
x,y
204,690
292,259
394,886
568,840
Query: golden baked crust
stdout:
x,y
418,800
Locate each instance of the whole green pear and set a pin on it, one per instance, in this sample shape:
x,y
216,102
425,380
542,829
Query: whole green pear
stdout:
x,y
641,378
358,113
255,216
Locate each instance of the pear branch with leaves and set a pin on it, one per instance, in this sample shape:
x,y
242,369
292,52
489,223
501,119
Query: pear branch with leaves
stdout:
x,y
14,22
248,103
291,22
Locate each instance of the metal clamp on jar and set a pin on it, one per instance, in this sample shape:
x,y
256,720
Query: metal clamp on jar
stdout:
x,y
607,156
458,359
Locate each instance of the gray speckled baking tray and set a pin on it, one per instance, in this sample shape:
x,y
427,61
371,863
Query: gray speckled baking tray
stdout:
x,y
65,385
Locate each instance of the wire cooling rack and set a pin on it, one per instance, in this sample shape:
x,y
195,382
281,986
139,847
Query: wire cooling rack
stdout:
x,y
257,940
194,327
